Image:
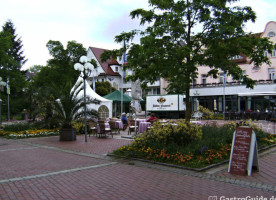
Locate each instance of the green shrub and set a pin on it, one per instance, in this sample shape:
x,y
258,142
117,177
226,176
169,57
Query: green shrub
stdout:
x,y
24,126
207,114
218,116
182,134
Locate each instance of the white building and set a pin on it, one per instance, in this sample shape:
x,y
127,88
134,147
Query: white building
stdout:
x,y
112,72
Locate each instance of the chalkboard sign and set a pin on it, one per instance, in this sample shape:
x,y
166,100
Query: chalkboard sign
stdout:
x,y
243,152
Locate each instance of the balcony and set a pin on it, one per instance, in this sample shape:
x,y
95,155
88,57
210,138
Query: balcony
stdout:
x,y
234,83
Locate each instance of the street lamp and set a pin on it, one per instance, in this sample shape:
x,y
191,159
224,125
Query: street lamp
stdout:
x,y
86,69
2,84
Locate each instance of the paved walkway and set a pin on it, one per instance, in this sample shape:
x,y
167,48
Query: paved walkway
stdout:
x,y
44,168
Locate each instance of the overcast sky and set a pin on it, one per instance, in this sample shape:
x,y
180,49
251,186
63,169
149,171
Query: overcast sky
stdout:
x,y
89,22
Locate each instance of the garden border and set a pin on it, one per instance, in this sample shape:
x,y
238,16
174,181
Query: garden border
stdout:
x,y
187,168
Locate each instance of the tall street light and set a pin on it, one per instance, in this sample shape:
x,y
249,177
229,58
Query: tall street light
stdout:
x,y
2,84
86,69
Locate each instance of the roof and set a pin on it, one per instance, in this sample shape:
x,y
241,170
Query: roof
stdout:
x,y
116,97
105,65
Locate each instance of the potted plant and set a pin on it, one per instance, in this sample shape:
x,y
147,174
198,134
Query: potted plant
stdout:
x,y
68,108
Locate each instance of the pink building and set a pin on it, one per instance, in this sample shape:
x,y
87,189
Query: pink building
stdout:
x,y
211,93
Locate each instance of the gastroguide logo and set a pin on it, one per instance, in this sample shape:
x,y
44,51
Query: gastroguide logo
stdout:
x,y
241,198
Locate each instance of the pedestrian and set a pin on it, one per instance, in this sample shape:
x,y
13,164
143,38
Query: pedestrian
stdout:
x,y
125,121
152,118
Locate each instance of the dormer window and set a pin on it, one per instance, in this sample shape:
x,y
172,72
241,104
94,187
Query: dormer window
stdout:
x,y
237,57
271,34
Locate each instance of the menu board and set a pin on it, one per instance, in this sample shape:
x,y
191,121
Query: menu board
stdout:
x,y
240,151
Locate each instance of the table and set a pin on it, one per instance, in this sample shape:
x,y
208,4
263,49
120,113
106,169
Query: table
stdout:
x,y
143,126
141,120
119,124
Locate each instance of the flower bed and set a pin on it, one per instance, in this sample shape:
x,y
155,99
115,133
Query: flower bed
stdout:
x,y
188,147
29,133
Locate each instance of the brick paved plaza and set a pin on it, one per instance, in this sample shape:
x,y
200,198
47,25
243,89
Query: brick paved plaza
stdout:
x,y
44,168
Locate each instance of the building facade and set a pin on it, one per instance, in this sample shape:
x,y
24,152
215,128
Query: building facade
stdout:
x,y
112,71
212,93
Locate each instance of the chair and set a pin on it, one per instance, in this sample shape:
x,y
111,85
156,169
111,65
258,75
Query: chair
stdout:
x,y
132,126
92,128
197,115
104,130
112,125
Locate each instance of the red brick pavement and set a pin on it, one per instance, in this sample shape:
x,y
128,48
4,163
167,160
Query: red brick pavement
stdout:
x,y
116,181
266,174
28,160
122,181
94,145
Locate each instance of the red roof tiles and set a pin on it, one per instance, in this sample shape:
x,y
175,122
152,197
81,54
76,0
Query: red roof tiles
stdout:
x,y
105,65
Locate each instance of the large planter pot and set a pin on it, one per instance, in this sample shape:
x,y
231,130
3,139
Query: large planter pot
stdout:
x,y
67,134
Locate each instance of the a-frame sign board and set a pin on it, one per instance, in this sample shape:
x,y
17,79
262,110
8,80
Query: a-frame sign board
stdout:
x,y
244,152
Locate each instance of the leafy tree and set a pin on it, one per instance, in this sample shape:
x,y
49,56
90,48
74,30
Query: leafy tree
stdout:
x,y
16,51
35,69
60,68
183,35
11,61
104,88
5,45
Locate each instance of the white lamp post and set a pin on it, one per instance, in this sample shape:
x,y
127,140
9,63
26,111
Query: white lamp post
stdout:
x,y
2,84
86,69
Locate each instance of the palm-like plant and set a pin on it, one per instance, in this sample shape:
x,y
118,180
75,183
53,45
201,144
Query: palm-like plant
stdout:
x,y
68,107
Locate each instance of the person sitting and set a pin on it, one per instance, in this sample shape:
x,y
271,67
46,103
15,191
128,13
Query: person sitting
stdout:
x,y
125,121
152,118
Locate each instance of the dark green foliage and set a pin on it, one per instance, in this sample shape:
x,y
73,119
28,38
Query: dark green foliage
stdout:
x,y
24,126
104,88
11,62
16,51
68,107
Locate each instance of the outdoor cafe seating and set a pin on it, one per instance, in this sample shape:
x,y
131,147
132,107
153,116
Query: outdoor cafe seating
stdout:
x,y
103,128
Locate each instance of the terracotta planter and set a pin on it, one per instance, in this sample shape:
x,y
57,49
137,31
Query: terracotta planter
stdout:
x,y
67,134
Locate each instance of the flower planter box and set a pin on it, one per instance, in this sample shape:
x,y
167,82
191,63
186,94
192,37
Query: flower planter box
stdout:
x,y
67,134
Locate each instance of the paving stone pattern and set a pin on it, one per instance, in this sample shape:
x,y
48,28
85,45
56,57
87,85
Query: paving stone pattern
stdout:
x,y
44,168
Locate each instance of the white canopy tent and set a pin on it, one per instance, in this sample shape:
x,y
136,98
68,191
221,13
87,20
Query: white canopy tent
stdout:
x,y
104,107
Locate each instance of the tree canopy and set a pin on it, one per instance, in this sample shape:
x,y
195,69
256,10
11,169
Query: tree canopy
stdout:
x,y
182,35
11,61
59,69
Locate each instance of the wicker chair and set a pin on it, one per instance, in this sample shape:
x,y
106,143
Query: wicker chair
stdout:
x,y
113,127
104,130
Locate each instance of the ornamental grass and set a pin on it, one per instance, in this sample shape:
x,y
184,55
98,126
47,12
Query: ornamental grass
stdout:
x,y
188,145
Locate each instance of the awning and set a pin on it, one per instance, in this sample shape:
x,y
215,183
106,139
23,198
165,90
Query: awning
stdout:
x,y
257,94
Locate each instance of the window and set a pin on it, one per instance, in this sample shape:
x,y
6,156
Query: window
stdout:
x,y
103,112
271,34
265,53
273,53
102,79
236,57
221,76
156,91
271,73
203,79
116,69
